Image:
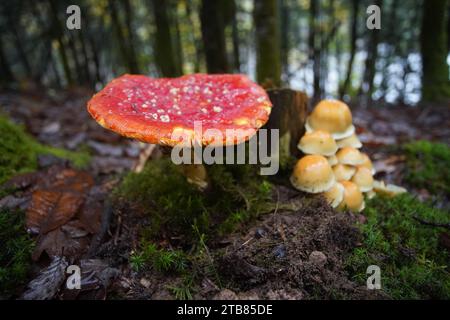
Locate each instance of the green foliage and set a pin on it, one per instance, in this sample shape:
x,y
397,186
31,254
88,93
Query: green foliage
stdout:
x,y
428,166
19,152
162,260
184,290
237,194
413,266
15,251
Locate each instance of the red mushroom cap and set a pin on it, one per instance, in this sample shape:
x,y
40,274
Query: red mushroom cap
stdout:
x,y
150,110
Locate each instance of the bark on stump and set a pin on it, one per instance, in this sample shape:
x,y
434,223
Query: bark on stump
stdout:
x,y
288,115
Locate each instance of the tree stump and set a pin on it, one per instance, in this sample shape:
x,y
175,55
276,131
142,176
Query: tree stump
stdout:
x,y
288,115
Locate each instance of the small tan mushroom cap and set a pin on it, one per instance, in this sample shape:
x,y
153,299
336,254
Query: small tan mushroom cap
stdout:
x,y
343,172
353,198
350,156
332,160
333,116
352,141
367,163
389,190
363,178
318,142
312,174
335,195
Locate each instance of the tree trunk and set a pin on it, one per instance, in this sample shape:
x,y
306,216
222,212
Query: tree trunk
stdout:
x,y
198,49
288,115
86,60
19,47
5,71
354,37
268,56
235,36
130,37
285,25
314,50
75,57
373,39
213,36
57,27
178,42
165,56
122,41
435,78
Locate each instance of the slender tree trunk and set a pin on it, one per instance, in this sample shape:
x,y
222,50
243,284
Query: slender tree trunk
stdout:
x,y
354,37
165,56
285,25
58,81
75,57
235,36
314,50
198,49
390,38
86,60
268,55
6,75
213,36
121,39
178,42
372,40
130,37
435,78
95,59
57,28
19,47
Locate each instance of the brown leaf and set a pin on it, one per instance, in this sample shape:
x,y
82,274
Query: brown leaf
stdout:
x,y
59,243
57,204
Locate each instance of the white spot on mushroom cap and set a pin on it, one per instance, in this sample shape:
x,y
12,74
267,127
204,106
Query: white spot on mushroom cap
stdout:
x,y
164,118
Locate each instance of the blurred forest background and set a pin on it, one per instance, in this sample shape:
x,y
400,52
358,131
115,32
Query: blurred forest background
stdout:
x,y
320,46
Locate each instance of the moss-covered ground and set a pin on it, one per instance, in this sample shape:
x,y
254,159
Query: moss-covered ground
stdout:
x,y
177,208
15,252
413,264
19,151
428,166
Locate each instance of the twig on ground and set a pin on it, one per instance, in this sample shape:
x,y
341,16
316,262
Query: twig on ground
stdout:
x,y
432,224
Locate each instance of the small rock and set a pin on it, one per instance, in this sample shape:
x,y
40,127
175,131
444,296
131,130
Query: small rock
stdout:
x,y
105,149
51,128
279,251
259,233
318,258
145,283
283,294
74,142
48,160
11,202
225,294
248,295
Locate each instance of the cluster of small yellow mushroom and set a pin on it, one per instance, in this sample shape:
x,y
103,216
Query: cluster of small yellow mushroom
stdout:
x,y
333,164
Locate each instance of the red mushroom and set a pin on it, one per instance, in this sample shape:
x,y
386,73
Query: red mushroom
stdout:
x,y
152,110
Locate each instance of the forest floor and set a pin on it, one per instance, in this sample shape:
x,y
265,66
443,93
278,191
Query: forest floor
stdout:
x,y
148,236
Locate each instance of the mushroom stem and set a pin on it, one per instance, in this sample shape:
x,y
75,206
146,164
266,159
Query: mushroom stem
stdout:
x,y
196,174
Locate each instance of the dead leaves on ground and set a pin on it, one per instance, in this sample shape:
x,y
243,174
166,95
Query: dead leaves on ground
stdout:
x,y
65,210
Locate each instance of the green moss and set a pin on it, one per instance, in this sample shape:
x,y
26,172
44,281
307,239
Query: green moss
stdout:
x,y
413,265
161,260
177,208
19,151
428,166
15,252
